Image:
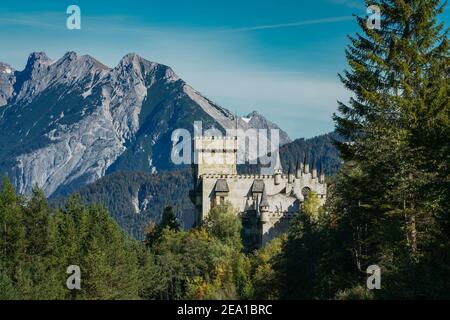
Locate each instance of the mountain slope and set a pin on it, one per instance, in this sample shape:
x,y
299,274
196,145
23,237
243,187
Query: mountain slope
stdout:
x,y
66,123
320,149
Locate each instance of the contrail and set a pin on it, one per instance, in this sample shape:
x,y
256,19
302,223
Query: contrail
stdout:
x,y
291,24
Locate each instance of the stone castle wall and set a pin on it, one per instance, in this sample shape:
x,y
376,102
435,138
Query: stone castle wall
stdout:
x,y
216,181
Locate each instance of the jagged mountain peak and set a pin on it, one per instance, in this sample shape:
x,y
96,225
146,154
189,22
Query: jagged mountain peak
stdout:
x,y
94,62
6,69
255,116
37,59
71,58
135,64
70,55
130,58
135,61
38,56
257,120
252,114
73,120
41,73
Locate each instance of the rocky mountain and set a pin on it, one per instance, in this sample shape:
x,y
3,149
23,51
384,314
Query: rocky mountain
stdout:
x,y
68,122
7,80
256,120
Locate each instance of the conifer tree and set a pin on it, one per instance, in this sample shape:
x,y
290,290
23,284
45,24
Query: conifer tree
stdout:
x,y
399,77
12,230
168,221
36,219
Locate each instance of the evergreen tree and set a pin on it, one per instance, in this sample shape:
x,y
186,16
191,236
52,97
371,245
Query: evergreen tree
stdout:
x,y
37,245
399,77
12,232
296,267
36,221
168,221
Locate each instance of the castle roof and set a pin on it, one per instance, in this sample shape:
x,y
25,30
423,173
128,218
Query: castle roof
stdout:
x,y
298,166
264,200
277,166
221,186
306,160
258,186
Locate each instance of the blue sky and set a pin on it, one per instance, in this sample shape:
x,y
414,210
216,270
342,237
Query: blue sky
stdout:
x,y
279,57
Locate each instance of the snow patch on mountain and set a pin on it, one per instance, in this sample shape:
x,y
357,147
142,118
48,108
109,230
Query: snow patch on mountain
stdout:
x,y
7,80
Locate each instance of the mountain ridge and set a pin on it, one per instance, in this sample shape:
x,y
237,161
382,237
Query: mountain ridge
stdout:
x,y
70,121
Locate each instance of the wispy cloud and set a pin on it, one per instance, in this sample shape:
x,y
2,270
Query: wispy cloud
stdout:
x,y
350,3
292,24
27,21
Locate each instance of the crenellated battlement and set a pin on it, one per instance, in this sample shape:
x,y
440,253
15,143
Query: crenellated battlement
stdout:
x,y
210,138
283,177
264,201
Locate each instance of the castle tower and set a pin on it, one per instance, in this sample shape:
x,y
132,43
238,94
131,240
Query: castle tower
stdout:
x,y
264,207
215,155
306,164
212,156
265,220
298,170
277,169
321,174
313,170
291,176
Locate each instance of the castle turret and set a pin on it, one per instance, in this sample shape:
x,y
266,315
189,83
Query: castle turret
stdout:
x,y
212,155
313,170
298,170
277,169
321,174
264,207
306,164
215,155
221,191
291,176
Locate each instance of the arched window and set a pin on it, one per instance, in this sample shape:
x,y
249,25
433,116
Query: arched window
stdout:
x,y
306,191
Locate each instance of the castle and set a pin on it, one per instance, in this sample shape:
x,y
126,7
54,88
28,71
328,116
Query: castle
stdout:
x,y
266,203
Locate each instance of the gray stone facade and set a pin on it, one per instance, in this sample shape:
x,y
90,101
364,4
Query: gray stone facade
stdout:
x,y
266,203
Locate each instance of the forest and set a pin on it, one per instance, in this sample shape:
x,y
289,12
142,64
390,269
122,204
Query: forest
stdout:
x,y
387,205
39,243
